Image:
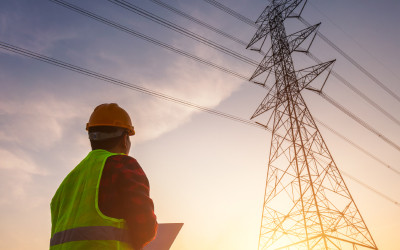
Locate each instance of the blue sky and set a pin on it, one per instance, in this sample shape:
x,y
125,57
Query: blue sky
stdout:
x,y
205,171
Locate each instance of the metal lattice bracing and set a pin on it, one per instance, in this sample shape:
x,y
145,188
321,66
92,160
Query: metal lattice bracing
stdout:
x,y
307,204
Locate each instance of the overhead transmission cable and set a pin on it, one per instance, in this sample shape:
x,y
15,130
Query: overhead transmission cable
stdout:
x,y
195,20
131,7
134,87
352,61
146,38
354,40
324,38
357,91
232,13
121,83
152,40
358,146
358,120
371,189
139,11
334,73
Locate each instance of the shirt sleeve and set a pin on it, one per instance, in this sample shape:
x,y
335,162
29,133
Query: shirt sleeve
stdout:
x,y
137,207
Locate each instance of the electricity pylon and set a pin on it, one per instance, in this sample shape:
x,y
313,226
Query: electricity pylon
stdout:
x,y
307,204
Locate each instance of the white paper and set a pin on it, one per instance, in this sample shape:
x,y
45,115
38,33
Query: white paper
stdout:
x,y
166,235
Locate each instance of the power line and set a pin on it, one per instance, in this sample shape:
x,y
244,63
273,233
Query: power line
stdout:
x,y
336,104
359,120
232,13
121,83
366,186
195,20
146,38
358,146
357,91
128,85
183,31
355,41
163,22
154,41
334,73
201,23
356,64
371,189
324,38
326,97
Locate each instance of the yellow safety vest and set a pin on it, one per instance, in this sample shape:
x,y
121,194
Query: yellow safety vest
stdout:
x,y
77,222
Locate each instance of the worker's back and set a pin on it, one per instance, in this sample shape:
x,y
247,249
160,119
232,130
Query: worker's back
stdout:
x,y
77,222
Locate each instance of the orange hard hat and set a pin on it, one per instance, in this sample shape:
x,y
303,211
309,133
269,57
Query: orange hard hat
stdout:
x,y
110,114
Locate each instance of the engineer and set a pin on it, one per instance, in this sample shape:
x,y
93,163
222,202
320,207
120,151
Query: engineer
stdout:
x,y
104,201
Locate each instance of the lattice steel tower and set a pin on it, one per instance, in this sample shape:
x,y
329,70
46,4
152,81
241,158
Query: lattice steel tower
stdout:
x,y
307,205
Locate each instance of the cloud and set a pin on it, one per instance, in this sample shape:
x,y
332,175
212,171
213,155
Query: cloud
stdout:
x,y
12,161
187,81
35,121
16,170
34,125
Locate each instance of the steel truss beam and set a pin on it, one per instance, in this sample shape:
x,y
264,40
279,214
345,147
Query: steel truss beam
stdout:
x,y
307,204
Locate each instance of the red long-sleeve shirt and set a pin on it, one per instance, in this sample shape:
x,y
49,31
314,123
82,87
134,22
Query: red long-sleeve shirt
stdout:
x,y
124,194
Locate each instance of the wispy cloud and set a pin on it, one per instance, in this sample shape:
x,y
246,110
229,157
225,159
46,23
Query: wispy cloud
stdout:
x,y
16,170
35,121
188,81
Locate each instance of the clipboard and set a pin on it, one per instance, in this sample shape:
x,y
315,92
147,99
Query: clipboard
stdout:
x,y
166,234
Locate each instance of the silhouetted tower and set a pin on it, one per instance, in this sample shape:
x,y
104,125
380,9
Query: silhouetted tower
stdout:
x,y
307,205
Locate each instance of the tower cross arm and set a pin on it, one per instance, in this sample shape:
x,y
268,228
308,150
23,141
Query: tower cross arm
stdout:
x,y
296,39
266,64
268,103
288,6
262,32
307,75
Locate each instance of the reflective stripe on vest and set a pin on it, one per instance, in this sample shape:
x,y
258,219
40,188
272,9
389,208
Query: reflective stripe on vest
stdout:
x,y
88,233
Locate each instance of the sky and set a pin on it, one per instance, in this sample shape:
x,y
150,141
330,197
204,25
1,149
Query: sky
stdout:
x,y
205,171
